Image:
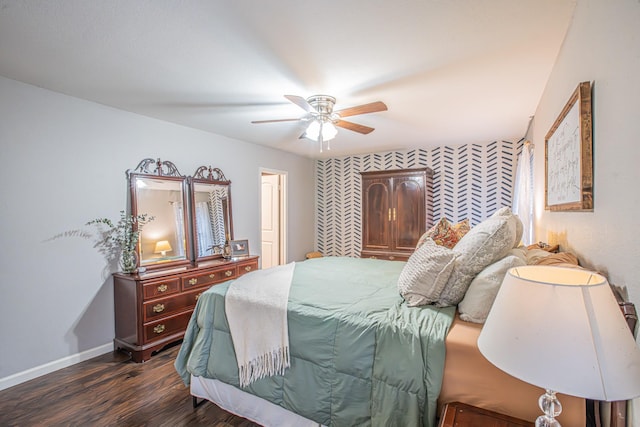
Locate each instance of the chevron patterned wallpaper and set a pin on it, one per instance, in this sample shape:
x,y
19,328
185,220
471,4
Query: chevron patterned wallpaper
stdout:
x,y
470,181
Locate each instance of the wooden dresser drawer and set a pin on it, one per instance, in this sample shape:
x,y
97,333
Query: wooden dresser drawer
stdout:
x,y
160,288
166,306
209,277
165,327
247,267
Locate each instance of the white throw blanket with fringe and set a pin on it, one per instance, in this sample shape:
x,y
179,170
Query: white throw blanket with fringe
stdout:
x,y
256,308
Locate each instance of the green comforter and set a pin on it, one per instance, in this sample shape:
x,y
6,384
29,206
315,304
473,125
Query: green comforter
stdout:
x,y
359,355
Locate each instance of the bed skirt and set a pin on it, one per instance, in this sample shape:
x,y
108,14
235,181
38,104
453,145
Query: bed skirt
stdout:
x,y
246,405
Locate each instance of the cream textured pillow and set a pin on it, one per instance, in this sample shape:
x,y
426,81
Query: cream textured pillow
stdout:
x,y
506,211
483,289
535,255
484,244
425,274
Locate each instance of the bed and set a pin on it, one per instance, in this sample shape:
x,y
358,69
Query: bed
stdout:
x,y
360,354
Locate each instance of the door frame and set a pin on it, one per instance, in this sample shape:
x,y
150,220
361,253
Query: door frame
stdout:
x,y
283,190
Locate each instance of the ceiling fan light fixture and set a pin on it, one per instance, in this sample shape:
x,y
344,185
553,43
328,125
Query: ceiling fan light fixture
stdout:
x,y
328,129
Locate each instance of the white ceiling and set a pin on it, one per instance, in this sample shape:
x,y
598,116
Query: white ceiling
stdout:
x,y
450,71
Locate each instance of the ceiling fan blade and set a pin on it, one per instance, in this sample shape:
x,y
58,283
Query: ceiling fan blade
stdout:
x,y
354,127
363,109
301,102
275,121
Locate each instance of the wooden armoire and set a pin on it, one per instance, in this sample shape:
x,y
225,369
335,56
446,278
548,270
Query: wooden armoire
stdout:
x,y
396,210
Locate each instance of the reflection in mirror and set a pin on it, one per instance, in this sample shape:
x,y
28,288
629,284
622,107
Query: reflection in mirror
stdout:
x,y
211,211
164,241
163,199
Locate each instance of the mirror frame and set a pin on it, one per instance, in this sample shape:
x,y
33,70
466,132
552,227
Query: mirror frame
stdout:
x,y
164,170
208,175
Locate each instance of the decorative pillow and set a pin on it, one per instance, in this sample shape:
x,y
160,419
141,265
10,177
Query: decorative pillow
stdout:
x,y
425,274
483,289
506,211
535,255
520,252
562,258
445,234
484,244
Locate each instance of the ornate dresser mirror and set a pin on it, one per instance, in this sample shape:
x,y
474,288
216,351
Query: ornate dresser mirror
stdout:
x,y
210,212
158,189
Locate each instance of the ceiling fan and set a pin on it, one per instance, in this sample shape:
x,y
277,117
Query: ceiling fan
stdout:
x,y
323,120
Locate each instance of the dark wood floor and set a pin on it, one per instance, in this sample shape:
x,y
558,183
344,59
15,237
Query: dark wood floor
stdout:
x,y
109,390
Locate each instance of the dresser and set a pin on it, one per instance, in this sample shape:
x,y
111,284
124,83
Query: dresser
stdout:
x,y
153,309
396,210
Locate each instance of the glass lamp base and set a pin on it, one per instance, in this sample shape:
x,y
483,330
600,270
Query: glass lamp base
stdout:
x,y
551,407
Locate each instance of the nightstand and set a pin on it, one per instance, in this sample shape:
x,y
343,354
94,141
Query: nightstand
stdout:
x,y
458,414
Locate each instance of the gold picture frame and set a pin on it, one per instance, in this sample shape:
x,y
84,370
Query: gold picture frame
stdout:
x,y
568,153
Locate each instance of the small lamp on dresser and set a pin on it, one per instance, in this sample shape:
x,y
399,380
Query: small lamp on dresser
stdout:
x,y
162,247
561,329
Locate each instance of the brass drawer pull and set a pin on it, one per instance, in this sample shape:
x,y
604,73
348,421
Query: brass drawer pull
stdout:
x,y
198,296
193,281
158,308
162,288
248,268
228,273
212,276
159,329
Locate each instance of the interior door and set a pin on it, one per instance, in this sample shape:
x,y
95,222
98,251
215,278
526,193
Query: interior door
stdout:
x,y
270,220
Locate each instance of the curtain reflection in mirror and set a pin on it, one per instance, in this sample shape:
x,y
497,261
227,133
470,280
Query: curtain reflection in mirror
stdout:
x,y
204,232
211,220
216,198
178,214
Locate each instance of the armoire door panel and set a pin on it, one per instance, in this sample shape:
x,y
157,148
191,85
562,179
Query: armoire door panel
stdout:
x,y
395,205
376,208
408,212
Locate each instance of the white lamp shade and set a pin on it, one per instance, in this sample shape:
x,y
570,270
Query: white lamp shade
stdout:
x,y
562,329
162,246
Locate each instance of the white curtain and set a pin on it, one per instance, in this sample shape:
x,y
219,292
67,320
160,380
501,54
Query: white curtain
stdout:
x,y
523,192
178,214
203,230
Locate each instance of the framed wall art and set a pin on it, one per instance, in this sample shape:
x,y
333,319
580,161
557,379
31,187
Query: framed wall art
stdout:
x,y
569,155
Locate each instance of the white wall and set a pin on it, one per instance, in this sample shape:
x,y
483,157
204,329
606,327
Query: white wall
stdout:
x,y
602,46
63,164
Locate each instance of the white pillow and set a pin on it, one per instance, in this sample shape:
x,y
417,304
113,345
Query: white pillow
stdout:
x,y
535,255
483,289
484,244
425,274
506,211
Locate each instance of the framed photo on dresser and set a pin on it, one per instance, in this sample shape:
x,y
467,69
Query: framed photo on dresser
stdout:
x,y
239,248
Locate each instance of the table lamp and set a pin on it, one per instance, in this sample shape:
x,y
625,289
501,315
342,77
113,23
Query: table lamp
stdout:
x,y
162,247
561,329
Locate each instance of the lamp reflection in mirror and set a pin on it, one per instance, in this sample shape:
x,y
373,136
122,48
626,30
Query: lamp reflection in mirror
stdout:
x,y
562,329
162,247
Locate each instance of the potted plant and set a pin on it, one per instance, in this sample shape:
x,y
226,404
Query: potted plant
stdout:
x,y
121,238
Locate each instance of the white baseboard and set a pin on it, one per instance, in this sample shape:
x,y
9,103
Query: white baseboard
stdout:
x,y
47,368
